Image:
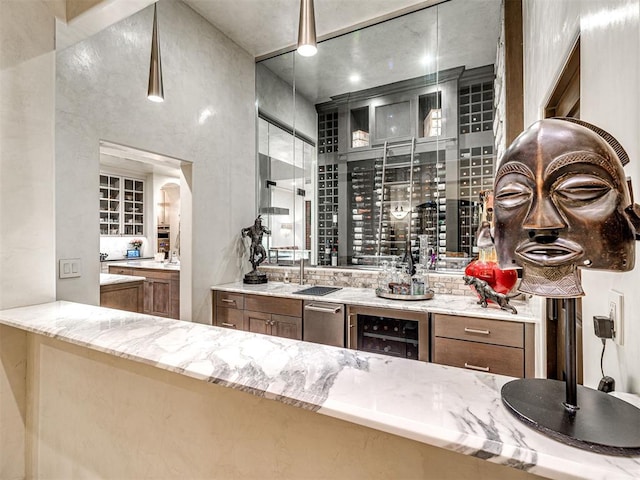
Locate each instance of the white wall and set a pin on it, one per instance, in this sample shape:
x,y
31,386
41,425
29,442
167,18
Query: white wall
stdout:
x,y
27,216
207,118
610,50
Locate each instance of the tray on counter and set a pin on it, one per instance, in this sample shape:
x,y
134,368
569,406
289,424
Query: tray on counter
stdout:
x,y
428,295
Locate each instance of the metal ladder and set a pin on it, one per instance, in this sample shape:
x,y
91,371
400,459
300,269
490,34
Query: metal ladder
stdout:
x,y
411,144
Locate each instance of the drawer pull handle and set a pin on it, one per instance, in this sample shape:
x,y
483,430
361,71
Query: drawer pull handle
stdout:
x,y
475,330
226,300
230,325
323,309
475,367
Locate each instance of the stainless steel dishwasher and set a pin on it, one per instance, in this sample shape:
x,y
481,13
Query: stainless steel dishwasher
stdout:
x,y
323,322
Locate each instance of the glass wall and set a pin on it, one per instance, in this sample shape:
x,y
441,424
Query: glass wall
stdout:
x,y
286,192
391,139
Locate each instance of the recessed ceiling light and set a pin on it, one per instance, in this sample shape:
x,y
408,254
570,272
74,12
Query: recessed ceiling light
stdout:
x,y
354,78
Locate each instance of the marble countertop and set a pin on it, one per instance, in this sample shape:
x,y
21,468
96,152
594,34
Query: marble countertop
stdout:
x,y
447,407
440,303
112,279
146,264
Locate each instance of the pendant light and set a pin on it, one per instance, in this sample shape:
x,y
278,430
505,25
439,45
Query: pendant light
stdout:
x,y
307,29
155,92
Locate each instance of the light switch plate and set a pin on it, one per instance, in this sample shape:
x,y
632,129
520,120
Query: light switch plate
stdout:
x,y
70,268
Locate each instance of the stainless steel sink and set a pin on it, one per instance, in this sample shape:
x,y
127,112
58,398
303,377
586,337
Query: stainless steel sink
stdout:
x,y
318,290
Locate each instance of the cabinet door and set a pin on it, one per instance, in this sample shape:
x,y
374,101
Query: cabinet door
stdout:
x,y
287,327
157,297
258,322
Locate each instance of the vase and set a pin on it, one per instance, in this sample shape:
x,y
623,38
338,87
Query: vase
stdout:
x,y
486,268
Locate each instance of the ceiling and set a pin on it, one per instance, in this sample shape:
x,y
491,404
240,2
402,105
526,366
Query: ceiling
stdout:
x,y
262,27
451,34
138,161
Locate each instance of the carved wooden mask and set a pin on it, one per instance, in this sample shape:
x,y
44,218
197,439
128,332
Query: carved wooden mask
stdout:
x,y
562,202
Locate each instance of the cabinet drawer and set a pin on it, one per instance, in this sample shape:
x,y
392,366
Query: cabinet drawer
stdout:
x,y
230,318
479,356
153,273
495,332
230,300
120,270
277,305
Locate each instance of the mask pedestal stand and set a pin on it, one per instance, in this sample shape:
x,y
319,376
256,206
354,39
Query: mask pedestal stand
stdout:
x,y
571,413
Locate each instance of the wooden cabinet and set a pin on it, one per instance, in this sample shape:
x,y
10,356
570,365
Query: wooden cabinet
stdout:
x,y
161,289
228,310
123,296
495,346
272,324
120,270
281,317
157,297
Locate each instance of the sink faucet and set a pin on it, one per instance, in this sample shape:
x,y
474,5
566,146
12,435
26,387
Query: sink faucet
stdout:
x,y
301,270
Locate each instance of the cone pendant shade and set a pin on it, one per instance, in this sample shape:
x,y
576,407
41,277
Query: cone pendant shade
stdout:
x,y
155,92
307,29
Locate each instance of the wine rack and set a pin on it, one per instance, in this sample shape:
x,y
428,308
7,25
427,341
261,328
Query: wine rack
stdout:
x,y
327,212
476,108
476,165
327,132
424,211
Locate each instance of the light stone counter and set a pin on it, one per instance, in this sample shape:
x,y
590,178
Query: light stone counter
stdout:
x,y
146,264
440,303
113,279
451,408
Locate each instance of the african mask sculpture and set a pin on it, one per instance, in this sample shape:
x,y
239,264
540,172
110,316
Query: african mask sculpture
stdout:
x,y
562,202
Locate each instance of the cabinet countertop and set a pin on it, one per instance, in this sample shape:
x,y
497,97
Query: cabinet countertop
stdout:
x,y
148,264
447,407
440,303
113,279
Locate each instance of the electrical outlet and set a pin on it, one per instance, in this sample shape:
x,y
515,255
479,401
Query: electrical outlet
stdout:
x,y
616,311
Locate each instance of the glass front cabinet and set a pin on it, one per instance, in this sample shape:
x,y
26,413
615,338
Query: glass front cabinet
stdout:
x,y
121,205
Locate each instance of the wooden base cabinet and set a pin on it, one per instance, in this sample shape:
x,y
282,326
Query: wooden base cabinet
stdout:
x,y
281,317
161,290
271,324
494,346
123,296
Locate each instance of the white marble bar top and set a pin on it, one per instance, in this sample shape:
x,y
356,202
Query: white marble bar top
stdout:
x,y
146,264
447,407
112,279
440,303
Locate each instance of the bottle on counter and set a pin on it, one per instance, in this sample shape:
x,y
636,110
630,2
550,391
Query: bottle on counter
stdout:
x,y
334,257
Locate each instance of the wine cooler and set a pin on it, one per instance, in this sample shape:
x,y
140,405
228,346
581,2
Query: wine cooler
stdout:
x,y
389,332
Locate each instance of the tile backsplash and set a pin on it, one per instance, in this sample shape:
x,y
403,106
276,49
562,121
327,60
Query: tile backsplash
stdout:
x,y
451,284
